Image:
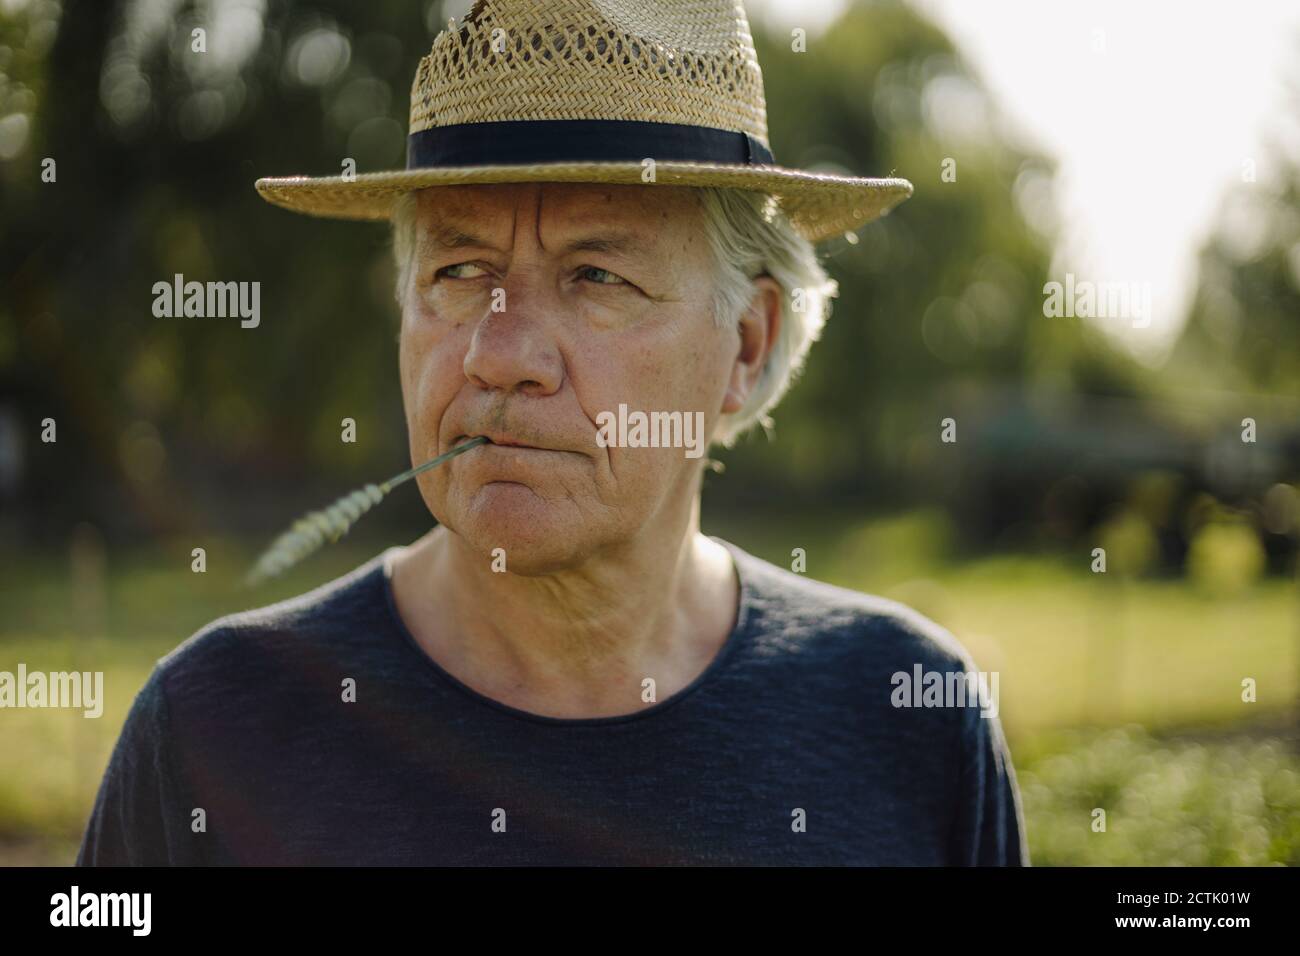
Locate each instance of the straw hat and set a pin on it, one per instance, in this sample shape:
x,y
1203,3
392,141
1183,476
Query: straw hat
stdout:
x,y
666,92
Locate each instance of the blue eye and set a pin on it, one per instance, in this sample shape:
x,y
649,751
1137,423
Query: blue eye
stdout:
x,y
604,276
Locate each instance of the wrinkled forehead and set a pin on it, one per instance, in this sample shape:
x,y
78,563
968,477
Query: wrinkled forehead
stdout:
x,y
657,216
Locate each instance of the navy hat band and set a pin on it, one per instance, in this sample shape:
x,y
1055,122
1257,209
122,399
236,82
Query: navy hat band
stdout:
x,y
525,142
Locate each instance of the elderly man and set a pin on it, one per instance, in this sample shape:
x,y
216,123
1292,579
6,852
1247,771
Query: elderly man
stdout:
x,y
565,670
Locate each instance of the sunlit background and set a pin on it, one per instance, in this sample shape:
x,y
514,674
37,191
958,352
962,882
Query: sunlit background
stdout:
x,y
1149,144
1152,114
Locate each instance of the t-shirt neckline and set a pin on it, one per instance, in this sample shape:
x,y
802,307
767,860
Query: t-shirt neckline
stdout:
x,y
739,630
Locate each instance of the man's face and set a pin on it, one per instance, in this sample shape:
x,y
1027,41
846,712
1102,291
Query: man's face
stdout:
x,y
530,310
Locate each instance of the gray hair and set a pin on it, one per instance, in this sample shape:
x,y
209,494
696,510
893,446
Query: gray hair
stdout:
x,y
749,237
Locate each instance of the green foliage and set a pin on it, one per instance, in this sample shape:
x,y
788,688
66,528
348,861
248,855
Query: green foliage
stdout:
x,y
1225,803
1130,543
1243,334
1225,558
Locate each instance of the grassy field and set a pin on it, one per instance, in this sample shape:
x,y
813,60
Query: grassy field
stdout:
x,y
1123,695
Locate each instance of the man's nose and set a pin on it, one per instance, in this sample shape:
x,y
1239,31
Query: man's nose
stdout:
x,y
514,349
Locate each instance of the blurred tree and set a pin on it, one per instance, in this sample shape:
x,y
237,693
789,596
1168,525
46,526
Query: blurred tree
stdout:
x,y
1237,360
157,140
1244,327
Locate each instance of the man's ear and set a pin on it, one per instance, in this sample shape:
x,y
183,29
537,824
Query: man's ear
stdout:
x,y
757,331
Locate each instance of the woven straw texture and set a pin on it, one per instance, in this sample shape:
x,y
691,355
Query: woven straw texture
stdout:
x,y
668,61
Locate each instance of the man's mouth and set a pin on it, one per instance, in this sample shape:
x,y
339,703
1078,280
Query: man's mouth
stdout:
x,y
504,441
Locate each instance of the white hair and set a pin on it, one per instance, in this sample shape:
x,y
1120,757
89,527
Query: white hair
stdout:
x,y
749,237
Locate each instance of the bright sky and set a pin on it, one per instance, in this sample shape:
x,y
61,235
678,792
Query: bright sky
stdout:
x,y
1150,108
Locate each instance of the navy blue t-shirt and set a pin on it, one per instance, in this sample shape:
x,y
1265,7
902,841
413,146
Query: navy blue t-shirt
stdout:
x,y
790,748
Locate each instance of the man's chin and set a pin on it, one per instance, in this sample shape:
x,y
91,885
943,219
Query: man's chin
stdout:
x,y
519,531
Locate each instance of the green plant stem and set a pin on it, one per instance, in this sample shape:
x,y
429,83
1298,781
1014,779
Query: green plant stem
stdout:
x,y
460,449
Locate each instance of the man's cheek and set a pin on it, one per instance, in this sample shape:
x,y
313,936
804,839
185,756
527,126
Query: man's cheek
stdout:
x,y
430,387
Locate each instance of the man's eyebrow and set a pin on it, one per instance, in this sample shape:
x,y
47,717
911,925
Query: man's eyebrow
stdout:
x,y
619,242
452,237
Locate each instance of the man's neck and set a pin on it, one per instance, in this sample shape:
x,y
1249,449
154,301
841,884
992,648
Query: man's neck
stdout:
x,y
577,643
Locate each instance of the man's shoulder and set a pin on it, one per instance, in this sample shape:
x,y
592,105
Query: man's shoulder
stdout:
x,y
805,616
279,634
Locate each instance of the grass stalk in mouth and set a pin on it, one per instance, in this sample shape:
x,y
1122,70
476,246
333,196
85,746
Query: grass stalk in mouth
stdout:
x,y
312,530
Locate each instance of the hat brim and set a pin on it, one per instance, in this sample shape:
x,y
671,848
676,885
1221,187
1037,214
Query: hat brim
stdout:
x,y
818,205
